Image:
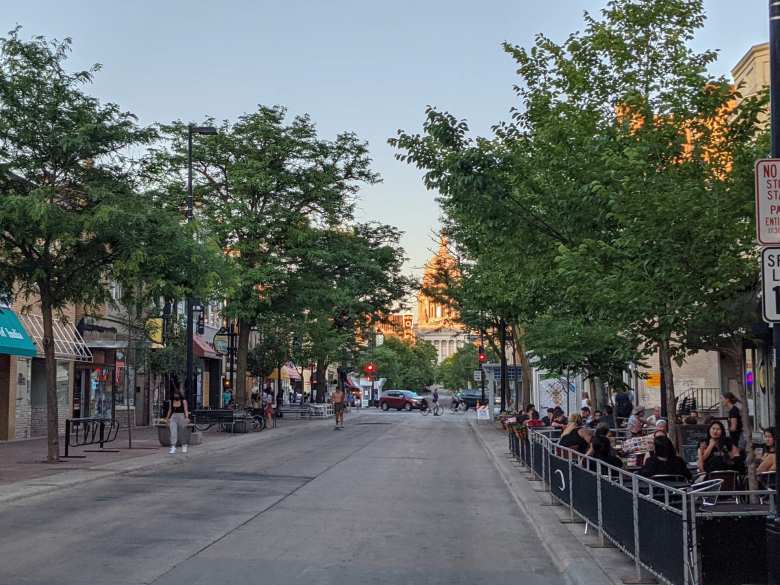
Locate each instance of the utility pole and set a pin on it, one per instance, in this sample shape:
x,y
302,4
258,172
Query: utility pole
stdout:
x,y
773,522
481,369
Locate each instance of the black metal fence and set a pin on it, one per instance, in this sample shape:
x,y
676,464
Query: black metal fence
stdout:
x,y
678,535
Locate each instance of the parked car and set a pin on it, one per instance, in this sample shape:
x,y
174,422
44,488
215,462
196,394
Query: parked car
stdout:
x,y
400,400
471,396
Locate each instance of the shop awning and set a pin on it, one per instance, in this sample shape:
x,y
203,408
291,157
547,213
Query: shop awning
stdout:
x,y
203,349
68,343
14,339
293,373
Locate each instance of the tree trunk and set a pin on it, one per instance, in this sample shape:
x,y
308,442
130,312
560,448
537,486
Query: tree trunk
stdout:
x,y
502,358
592,391
241,362
52,414
321,381
735,352
665,359
527,387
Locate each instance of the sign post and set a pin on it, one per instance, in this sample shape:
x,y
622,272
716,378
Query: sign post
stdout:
x,y
768,201
770,284
762,189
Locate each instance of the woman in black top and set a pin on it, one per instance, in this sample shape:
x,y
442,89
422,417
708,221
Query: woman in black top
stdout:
x,y
718,453
602,450
664,460
573,436
178,419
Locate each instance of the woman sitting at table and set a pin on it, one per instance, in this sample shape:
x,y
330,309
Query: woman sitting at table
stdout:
x,y
718,453
636,421
769,458
664,460
574,436
601,449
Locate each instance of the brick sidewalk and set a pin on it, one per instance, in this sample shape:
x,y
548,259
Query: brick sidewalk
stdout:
x,y
26,459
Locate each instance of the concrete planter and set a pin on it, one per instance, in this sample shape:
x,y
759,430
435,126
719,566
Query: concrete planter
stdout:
x,y
164,436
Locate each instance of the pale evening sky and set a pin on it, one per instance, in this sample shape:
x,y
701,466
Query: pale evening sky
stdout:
x,y
366,66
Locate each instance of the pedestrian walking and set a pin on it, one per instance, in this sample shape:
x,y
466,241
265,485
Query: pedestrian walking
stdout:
x,y
178,419
339,406
268,406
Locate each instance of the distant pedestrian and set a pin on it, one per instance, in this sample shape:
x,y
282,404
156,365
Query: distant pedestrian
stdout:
x,y
735,418
178,418
268,406
339,406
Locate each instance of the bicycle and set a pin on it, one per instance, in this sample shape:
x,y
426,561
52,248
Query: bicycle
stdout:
x,y
436,409
458,407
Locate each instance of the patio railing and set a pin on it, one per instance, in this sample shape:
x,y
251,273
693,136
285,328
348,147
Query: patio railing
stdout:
x,y
681,536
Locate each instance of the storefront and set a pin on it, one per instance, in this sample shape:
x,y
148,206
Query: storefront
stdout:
x,y
208,373
16,347
27,377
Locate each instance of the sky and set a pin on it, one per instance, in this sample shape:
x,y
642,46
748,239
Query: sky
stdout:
x,y
360,65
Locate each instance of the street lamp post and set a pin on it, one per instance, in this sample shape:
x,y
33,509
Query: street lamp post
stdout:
x,y
189,383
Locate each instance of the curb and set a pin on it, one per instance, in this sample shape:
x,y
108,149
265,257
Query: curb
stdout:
x,y
570,556
21,490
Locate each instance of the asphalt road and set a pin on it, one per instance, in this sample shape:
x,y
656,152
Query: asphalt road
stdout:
x,y
395,498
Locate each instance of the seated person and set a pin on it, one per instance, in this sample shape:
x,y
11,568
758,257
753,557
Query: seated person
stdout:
x,y
768,460
534,421
718,453
664,460
574,436
559,420
601,449
608,417
586,415
661,428
547,420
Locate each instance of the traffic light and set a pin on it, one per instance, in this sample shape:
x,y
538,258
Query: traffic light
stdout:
x,y
370,368
482,355
201,327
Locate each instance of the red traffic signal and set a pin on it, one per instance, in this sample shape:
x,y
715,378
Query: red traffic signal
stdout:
x,y
482,355
369,368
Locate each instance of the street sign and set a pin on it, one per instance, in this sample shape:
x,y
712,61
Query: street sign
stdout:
x,y
768,201
477,375
220,342
482,412
770,282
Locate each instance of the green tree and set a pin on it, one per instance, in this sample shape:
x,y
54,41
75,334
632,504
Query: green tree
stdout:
x,y
457,371
259,183
405,365
346,278
70,209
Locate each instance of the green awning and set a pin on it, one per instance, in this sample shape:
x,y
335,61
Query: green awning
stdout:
x,y
13,337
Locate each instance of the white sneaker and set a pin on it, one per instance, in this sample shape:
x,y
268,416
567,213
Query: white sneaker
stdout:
x,y
172,451
184,448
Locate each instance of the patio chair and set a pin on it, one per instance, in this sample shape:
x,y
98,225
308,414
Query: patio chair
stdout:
x,y
729,481
707,486
668,477
768,480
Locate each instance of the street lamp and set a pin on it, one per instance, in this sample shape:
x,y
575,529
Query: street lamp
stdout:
x,y
189,385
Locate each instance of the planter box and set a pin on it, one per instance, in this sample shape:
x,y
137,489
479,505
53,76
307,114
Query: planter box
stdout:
x,y
164,436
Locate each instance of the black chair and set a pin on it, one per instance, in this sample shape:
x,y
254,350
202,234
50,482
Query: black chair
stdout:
x,y
729,478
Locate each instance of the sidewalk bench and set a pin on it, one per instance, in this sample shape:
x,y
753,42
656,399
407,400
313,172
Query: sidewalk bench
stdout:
x,y
205,418
302,410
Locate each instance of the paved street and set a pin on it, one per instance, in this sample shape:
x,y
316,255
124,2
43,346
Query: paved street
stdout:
x,y
394,498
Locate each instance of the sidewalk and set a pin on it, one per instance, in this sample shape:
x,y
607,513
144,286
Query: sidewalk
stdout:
x,y
24,471
579,556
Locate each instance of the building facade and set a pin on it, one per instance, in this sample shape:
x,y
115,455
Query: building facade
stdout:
x,y
437,322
